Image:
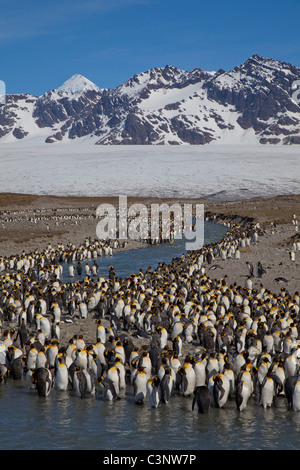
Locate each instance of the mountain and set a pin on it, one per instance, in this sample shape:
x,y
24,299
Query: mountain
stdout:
x,y
77,84
256,102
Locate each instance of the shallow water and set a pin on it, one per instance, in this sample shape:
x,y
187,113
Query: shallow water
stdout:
x,y
128,262
63,421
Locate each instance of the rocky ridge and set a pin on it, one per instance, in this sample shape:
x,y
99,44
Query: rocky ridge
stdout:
x,y
256,102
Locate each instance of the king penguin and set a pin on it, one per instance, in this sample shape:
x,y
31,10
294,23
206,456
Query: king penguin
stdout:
x,y
61,376
140,385
202,398
292,392
167,384
154,391
267,391
242,395
221,390
107,388
80,382
188,379
42,378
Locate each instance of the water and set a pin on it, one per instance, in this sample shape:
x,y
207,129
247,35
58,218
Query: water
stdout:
x,y
126,263
63,421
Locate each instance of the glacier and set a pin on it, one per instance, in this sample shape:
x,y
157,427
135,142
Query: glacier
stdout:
x,y
218,172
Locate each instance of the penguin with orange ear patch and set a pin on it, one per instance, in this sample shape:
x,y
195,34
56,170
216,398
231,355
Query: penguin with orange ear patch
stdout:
x,y
154,391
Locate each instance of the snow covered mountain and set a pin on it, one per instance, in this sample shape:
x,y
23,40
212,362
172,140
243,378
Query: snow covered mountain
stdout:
x,y
256,102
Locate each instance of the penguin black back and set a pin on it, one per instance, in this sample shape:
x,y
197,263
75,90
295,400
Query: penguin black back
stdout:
x,y
202,398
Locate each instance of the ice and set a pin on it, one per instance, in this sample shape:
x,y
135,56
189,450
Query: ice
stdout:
x,y
221,172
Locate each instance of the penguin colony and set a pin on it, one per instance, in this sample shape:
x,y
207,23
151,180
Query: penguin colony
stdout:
x,y
172,330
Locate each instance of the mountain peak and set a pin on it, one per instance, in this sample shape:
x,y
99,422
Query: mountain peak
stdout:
x,y
77,84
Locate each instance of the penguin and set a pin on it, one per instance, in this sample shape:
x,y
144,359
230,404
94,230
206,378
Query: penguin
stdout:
x,y
23,333
177,345
61,376
163,335
55,331
79,341
41,359
42,379
71,307
167,384
90,381
101,332
263,369
52,352
146,363
249,283
87,269
116,344
259,269
12,353
228,372
94,268
187,379
82,310
175,363
107,389
31,358
250,268
267,391
202,398
154,391
40,337
200,373
188,332
177,329
242,395
79,268
80,382
140,385
43,324
221,390
209,340
268,343
81,358
113,374
209,257
292,392
71,271
128,348
100,349
112,273
291,365
122,373
3,374
212,367
56,312
17,369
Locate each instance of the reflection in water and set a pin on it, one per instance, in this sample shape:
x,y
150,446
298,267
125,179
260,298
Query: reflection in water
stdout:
x,y
63,421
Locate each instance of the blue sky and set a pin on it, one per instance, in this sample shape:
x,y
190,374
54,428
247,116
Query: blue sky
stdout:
x,y
44,43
